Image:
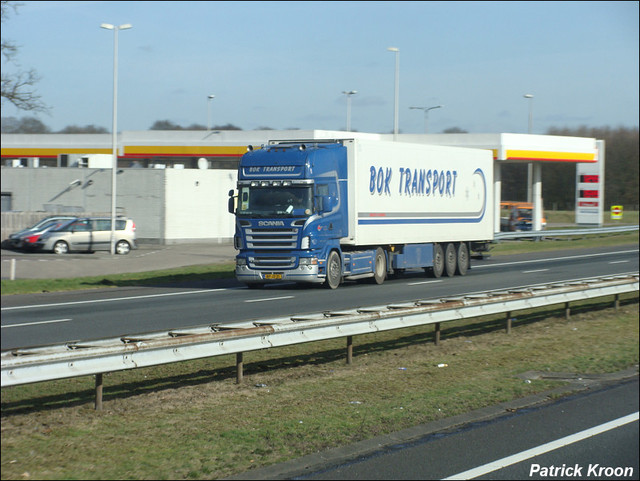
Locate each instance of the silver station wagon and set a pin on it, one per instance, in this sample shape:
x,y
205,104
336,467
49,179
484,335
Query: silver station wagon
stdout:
x,y
89,234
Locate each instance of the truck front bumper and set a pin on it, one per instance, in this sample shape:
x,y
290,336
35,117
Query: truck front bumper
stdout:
x,y
304,273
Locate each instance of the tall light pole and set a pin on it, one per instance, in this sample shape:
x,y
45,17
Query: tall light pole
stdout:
x,y
426,115
349,94
530,97
530,165
114,130
396,90
209,99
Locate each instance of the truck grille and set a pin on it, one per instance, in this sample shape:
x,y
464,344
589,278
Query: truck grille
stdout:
x,y
272,238
272,262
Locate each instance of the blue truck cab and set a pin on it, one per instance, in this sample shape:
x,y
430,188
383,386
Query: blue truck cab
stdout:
x,y
291,211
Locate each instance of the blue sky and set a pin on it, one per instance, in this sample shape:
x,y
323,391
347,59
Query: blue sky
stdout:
x,y
285,64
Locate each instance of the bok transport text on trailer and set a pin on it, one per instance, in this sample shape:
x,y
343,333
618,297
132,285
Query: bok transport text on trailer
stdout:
x,y
326,211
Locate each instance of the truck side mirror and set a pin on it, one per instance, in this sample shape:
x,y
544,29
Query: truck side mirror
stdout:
x,y
328,203
231,205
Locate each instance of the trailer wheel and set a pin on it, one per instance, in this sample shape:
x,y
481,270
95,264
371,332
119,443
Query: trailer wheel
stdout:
x,y
334,271
438,262
450,259
463,259
380,267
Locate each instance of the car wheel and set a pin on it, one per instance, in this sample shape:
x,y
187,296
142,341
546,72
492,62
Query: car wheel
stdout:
x,y
122,247
61,247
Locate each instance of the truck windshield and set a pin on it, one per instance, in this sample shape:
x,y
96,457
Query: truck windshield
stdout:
x,y
292,200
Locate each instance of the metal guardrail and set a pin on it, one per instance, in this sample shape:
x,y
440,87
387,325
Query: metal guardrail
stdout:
x,y
538,234
23,366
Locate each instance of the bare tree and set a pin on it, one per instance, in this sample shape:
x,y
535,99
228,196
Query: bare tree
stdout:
x,y
165,125
18,86
25,125
87,129
169,125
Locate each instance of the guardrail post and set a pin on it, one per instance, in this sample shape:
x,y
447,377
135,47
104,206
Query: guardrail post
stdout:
x,y
509,320
567,311
616,302
239,368
437,334
98,405
349,349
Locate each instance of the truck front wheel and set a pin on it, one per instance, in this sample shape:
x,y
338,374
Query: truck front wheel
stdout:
x,y
334,271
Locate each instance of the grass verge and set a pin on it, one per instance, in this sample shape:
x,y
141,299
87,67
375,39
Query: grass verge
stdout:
x,y
564,243
180,275
190,420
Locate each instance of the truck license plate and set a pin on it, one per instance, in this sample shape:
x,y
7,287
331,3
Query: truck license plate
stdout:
x,y
273,276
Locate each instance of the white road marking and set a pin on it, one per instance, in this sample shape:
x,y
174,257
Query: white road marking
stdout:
x,y
618,262
36,323
535,270
544,448
269,299
422,282
149,296
551,259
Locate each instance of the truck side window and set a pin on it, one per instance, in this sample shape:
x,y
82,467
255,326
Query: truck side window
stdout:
x,y
322,189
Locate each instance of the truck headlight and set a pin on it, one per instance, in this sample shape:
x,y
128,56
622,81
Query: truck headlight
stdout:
x,y
241,261
308,261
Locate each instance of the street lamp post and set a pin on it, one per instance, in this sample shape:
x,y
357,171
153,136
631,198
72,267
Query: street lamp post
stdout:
x,y
114,130
426,115
209,99
530,97
396,90
530,165
349,94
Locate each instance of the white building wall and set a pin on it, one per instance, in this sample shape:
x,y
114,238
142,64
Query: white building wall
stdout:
x,y
196,205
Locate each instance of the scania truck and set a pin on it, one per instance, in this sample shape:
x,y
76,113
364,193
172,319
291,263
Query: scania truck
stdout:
x,y
327,211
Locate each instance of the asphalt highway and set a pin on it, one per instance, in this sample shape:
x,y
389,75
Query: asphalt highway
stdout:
x,y
589,434
466,446
52,318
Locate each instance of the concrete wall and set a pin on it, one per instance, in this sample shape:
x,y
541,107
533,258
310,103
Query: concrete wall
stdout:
x,y
196,205
167,205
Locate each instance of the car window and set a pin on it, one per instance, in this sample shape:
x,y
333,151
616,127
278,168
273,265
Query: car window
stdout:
x,y
105,224
78,226
102,224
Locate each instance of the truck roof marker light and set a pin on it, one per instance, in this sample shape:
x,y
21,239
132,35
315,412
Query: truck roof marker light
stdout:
x,y
250,148
302,147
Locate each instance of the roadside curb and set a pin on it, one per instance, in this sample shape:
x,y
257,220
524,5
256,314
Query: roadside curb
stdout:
x,y
326,459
